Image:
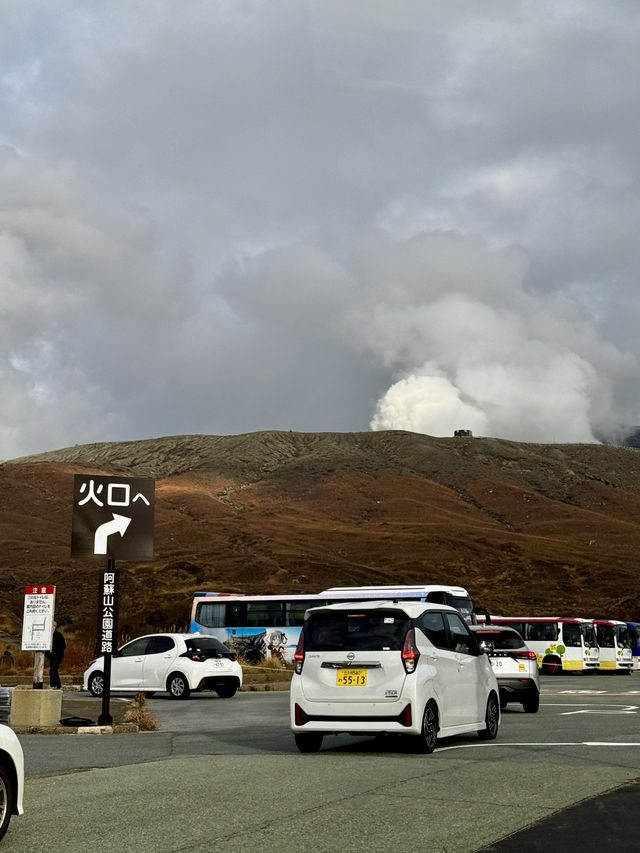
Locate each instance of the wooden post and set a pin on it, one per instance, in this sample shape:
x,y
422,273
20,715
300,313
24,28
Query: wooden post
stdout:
x,y
38,670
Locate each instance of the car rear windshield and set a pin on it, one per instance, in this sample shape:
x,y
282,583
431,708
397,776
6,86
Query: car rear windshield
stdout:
x,y
502,639
209,647
356,630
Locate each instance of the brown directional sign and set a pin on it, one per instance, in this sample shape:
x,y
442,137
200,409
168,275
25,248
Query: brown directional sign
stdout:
x,y
113,517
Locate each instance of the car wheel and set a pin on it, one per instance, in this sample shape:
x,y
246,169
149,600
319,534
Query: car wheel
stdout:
x,y
96,684
6,800
177,686
531,703
309,741
491,719
226,691
425,742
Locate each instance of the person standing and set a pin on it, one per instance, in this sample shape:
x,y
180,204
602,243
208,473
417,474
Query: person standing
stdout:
x,y
58,645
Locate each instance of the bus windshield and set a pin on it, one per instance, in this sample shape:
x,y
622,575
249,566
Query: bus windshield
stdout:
x,y
589,634
622,636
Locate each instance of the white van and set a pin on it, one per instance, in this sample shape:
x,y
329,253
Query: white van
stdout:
x,y
408,668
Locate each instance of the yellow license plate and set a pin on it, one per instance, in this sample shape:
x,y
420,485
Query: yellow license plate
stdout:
x,y
352,678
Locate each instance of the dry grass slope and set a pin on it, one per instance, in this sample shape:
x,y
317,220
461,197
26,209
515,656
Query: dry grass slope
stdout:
x,y
523,526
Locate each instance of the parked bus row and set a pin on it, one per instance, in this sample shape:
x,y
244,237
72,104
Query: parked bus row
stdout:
x,y
261,627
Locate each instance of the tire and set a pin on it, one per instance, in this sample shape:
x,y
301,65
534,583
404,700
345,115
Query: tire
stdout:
x,y
425,742
552,667
177,686
96,684
226,691
531,703
308,741
7,795
491,719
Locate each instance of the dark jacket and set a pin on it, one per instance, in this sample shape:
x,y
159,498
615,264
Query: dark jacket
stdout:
x,y
58,645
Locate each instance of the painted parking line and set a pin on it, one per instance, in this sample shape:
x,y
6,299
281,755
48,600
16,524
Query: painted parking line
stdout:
x,y
538,744
600,708
590,693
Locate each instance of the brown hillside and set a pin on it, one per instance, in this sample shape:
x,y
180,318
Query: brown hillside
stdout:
x,y
524,527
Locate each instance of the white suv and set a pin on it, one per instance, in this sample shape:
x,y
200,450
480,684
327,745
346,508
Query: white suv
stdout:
x,y
384,667
515,665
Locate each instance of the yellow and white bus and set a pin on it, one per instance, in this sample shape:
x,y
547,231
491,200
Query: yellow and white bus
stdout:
x,y
561,643
614,640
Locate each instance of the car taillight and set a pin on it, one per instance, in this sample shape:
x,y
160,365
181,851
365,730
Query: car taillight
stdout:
x,y
298,656
527,655
410,653
191,655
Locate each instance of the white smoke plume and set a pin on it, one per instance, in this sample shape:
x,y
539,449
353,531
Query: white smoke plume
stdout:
x,y
472,348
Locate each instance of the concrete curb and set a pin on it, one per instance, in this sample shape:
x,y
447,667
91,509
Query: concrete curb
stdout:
x,y
118,729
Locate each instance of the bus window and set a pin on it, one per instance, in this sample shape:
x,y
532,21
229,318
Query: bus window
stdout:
x,y
571,634
210,615
605,637
462,605
547,631
589,634
267,613
622,635
294,611
236,614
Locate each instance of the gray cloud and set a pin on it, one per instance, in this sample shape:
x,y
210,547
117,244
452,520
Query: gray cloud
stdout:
x,y
317,215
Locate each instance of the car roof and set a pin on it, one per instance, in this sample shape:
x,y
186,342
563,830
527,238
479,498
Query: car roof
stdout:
x,y
410,608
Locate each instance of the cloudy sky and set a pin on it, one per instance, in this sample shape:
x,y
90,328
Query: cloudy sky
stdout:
x,y
221,216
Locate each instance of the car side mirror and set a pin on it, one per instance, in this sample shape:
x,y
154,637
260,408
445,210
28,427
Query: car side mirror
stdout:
x,y
486,646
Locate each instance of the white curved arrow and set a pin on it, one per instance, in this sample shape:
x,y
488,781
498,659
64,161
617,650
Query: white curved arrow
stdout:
x,y
118,525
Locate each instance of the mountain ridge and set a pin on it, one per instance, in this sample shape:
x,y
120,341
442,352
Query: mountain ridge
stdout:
x,y
522,526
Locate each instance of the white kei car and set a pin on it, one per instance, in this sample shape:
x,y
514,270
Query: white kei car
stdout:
x,y
11,777
395,668
177,663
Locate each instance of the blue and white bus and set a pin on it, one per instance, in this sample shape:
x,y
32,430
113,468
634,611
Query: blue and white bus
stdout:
x,y
634,636
263,627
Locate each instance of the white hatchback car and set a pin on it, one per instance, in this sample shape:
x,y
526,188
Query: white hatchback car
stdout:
x,y
11,777
177,663
395,668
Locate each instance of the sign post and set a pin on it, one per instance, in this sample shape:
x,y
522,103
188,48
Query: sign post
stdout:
x,y
37,627
107,632
112,518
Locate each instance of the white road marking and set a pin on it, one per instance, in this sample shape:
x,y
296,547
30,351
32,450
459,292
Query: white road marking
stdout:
x,y
539,744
